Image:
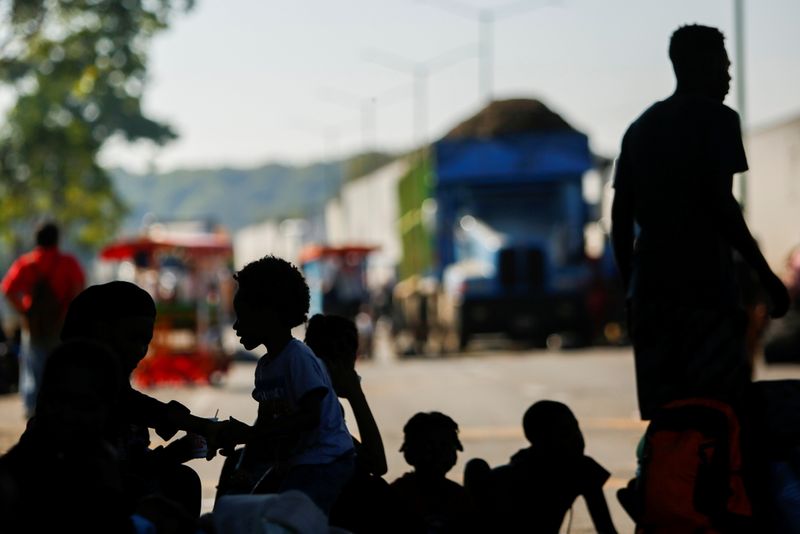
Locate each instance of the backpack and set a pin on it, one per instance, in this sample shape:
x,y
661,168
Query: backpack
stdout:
x,y
44,314
691,464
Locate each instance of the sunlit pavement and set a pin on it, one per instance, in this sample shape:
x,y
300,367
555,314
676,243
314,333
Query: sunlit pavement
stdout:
x,y
486,391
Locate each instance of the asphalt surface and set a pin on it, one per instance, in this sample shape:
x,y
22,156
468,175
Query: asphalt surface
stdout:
x,y
486,391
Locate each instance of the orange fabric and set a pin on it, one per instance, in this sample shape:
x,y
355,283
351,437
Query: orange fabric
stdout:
x,y
62,271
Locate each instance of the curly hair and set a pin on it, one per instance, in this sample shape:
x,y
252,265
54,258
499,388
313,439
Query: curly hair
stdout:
x,y
274,282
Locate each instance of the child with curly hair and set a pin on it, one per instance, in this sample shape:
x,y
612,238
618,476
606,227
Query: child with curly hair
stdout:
x,y
299,440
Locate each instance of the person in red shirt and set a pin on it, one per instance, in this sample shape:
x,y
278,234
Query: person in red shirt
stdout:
x,y
22,285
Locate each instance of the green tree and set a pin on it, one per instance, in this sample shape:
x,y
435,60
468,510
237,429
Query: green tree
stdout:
x,y
76,70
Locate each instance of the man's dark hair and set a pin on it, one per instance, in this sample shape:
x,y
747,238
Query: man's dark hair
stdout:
x,y
47,234
276,283
692,47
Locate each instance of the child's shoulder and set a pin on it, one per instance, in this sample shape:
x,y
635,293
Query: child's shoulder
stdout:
x,y
299,349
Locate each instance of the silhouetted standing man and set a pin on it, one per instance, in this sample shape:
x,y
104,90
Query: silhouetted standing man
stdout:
x,y
674,180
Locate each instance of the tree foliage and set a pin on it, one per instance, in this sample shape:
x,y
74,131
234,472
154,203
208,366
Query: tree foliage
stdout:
x,y
76,70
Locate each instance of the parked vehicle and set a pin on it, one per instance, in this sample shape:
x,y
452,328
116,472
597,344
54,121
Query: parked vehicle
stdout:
x,y
337,281
507,240
189,277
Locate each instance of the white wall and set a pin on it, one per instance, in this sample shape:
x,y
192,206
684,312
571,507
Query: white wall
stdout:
x,y
773,189
366,213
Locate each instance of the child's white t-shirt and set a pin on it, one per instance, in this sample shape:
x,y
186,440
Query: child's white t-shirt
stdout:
x,y
282,381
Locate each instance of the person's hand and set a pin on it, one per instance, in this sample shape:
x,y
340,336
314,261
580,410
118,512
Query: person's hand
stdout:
x,y
185,448
225,435
346,381
778,296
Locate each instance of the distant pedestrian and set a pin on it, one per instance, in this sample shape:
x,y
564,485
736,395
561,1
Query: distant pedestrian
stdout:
x,y
674,181
40,285
536,490
428,501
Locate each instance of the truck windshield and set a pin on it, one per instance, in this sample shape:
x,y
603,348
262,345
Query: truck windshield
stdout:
x,y
524,212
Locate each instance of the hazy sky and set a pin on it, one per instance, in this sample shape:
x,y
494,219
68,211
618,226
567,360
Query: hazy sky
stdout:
x,y
245,82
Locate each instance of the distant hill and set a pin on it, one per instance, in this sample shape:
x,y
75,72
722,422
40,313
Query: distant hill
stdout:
x,y
238,197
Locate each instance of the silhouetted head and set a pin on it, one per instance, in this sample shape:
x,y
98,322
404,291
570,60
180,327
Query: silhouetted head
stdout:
x,y
79,391
700,61
119,314
431,443
47,234
333,338
273,297
552,428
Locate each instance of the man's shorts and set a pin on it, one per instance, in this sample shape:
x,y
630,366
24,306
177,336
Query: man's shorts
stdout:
x,y
682,352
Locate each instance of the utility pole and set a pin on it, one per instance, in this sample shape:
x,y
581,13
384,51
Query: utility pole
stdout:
x,y
366,106
486,18
420,72
741,95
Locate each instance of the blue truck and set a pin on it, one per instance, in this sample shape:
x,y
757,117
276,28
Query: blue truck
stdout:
x,y
509,235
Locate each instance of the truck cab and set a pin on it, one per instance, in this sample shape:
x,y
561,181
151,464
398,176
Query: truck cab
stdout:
x,y
510,233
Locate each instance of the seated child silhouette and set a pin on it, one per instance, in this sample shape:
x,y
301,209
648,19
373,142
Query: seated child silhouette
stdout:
x,y
299,440
536,489
365,502
430,502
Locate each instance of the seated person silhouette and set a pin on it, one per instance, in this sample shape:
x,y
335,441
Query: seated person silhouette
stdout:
x,y
121,316
365,502
63,475
536,489
427,500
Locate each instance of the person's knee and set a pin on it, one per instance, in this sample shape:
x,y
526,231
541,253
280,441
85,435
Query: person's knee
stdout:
x,y
181,484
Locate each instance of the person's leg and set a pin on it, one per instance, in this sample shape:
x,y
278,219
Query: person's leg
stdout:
x,y
31,366
322,482
181,484
38,352
659,355
719,366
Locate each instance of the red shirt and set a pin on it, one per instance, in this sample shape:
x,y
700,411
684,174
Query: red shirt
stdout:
x,y
62,271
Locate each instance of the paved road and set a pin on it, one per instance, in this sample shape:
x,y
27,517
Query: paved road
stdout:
x,y
485,391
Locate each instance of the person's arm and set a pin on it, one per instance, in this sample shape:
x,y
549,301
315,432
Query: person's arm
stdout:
x,y
168,418
622,213
304,419
15,299
726,157
371,442
622,224
598,510
12,287
731,224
